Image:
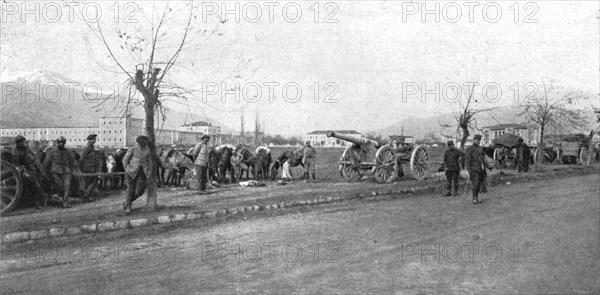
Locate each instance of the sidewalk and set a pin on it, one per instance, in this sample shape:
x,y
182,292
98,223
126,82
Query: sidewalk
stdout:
x,y
179,203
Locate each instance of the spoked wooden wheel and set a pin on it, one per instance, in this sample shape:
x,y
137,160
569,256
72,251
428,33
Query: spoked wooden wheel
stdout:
x,y
419,162
11,187
583,155
386,165
350,164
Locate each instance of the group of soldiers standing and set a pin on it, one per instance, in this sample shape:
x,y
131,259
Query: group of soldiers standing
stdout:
x,y
474,160
59,166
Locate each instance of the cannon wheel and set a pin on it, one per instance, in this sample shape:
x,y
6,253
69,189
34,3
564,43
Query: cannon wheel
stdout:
x,y
350,165
583,155
386,165
535,156
11,187
419,162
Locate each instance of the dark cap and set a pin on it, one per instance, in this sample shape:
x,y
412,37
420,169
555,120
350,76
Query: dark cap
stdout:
x,y
19,138
450,142
477,136
91,136
142,137
204,136
61,139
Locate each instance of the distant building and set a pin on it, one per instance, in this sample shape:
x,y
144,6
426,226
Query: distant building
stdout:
x,y
205,128
529,135
402,139
319,138
113,132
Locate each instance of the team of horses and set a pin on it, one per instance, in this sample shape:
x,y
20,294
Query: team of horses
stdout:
x,y
227,164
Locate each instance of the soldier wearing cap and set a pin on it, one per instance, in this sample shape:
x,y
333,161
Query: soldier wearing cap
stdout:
x,y
60,163
474,162
309,156
137,170
451,164
201,156
88,164
28,163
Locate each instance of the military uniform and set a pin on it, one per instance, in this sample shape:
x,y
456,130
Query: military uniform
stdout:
x,y
452,158
61,165
137,171
88,164
32,171
523,154
201,157
309,155
474,164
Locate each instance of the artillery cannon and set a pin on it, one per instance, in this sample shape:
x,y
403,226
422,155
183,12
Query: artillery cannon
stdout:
x,y
384,161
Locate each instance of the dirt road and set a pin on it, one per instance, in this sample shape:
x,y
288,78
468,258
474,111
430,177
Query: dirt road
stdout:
x,y
537,237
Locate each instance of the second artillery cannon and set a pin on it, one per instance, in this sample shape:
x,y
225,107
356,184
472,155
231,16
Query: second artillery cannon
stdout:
x,y
384,161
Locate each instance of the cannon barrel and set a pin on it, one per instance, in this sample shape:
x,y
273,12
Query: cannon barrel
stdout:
x,y
358,141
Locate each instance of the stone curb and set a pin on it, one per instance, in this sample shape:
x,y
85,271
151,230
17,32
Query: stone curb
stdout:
x,y
164,219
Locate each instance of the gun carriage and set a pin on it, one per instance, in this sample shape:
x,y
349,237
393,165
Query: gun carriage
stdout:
x,y
383,161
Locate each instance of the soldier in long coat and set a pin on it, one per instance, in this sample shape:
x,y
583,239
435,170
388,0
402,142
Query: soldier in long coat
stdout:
x,y
523,154
88,164
309,156
60,163
27,163
201,156
474,164
137,170
452,158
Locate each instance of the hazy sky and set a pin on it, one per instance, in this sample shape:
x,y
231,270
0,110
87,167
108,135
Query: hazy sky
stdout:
x,y
373,49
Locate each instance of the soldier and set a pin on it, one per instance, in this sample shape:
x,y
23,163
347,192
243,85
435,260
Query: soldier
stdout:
x,y
87,164
30,166
309,155
523,154
137,170
474,164
61,164
452,158
201,156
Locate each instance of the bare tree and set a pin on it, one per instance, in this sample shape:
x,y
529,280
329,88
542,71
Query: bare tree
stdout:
x,y
148,78
465,118
552,111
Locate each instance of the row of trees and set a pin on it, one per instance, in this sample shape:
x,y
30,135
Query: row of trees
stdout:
x,y
553,108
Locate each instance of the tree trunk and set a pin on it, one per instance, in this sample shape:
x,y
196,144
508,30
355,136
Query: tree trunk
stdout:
x,y
540,152
465,132
151,202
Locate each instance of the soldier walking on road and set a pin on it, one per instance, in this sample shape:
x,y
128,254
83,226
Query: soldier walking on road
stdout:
x,y
309,156
61,164
87,164
30,167
452,158
201,156
474,164
137,171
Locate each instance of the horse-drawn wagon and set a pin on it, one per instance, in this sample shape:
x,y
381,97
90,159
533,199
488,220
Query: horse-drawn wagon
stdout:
x,y
383,160
574,151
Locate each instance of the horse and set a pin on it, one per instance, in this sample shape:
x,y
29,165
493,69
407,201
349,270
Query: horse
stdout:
x,y
262,163
224,165
295,157
248,160
175,164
